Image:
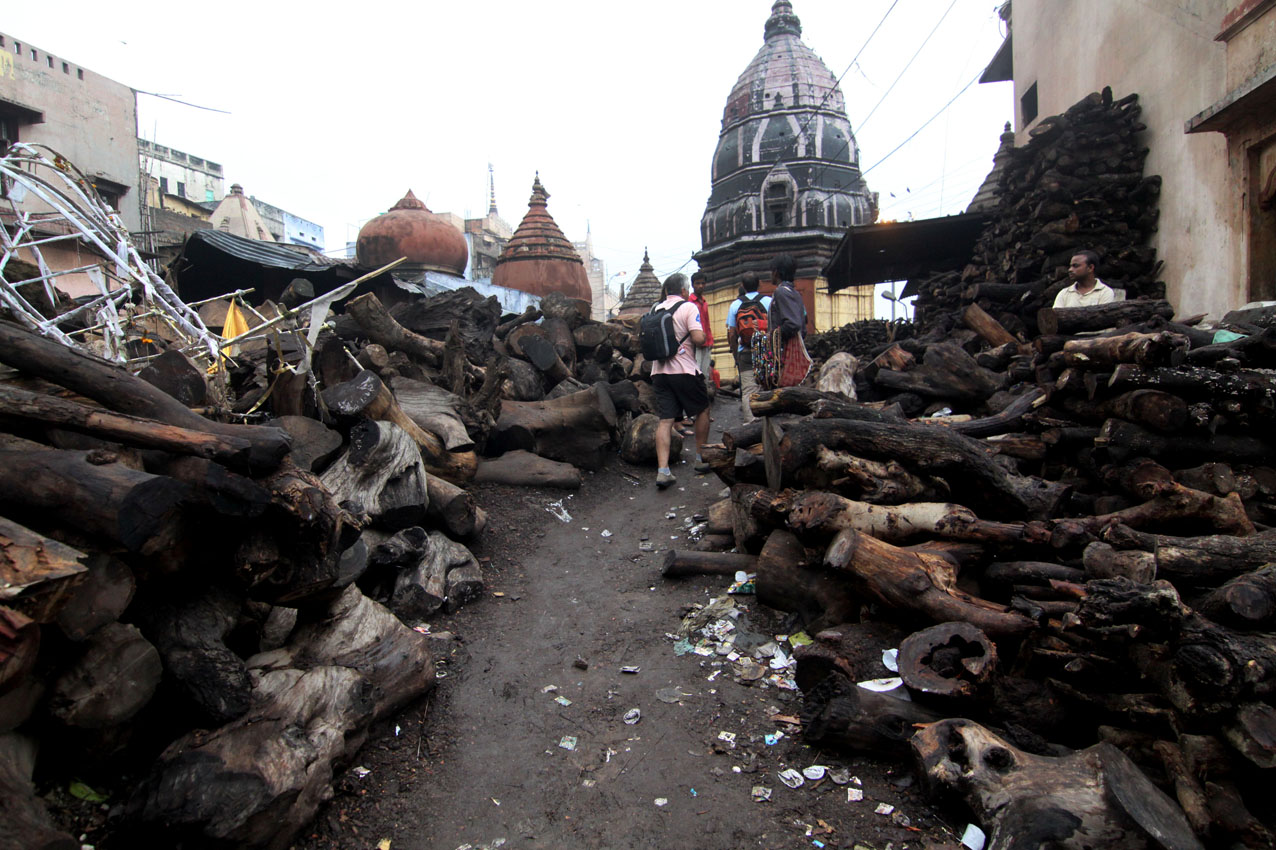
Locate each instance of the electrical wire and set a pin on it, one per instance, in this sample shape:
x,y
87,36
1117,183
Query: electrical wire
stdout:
x,y
913,135
926,41
182,102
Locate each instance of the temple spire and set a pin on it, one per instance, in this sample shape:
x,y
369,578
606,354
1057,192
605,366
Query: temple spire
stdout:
x,y
782,20
491,182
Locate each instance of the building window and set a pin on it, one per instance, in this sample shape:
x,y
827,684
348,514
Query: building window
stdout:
x,y
778,204
49,59
164,185
181,188
34,56
1028,105
79,72
1262,223
17,47
66,69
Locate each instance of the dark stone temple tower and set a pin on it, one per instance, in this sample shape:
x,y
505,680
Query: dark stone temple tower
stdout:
x,y
786,172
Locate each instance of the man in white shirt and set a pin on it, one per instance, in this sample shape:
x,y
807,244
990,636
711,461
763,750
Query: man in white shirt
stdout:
x,y
1086,290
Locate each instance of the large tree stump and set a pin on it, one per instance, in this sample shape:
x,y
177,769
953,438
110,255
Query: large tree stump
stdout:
x,y
254,782
921,583
1094,798
575,428
382,472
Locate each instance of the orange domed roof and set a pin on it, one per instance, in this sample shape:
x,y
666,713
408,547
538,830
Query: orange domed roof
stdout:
x,y
410,230
538,258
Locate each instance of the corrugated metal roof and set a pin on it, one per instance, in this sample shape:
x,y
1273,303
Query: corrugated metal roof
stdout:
x,y
272,254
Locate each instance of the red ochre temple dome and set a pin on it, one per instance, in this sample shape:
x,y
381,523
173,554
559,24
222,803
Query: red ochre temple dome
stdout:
x,y
538,259
410,230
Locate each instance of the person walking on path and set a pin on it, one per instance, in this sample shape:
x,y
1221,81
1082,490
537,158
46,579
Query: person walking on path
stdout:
x,y
678,382
1086,289
788,323
740,330
704,353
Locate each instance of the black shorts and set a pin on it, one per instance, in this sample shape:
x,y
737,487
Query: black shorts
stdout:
x,y
679,395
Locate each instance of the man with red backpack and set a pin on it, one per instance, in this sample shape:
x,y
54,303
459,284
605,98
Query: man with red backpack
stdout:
x,y
746,316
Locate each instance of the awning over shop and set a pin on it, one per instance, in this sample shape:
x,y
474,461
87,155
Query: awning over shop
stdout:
x,y
877,253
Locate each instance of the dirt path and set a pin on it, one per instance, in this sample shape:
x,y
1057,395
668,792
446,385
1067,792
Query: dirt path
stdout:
x,y
483,762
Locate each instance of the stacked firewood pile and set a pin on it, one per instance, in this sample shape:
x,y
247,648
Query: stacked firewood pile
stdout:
x,y
1060,518
1082,539
1078,183
217,612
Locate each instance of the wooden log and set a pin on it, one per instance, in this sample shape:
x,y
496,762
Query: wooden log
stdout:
x,y
748,532
213,486
540,352
838,714
293,568
1170,502
435,410
791,579
523,469
25,823
837,375
366,396
920,583
117,389
255,782
452,509
1159,349
1073,320
38,576
575,428
1005,420
382,472
1245,602
110,679
1206,561
1256,351
1094,797
954,457
530,314
37,409
638,441
804,400
950,660
1187,789
19,647
464,579
852,650
190,635
1008,573
876,482
988,328
382,328
1210,761
1252,733
823,515
314,445
947,372
1122,440
176,375
420,586
1103,561
680,563
100,599
1155,409
136,510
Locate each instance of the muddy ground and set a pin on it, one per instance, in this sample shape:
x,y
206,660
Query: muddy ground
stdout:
x,y
480,763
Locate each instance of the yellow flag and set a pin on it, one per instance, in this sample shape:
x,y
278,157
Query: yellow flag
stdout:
x,y
235,325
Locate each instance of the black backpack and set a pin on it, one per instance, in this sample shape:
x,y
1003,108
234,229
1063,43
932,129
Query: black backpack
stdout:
x,y
657,338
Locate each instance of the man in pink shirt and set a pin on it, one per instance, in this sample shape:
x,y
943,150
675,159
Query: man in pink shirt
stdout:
x,y
678,381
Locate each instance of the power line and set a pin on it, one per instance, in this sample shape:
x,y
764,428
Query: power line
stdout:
x,y
942,110
182,102
842,76
907,66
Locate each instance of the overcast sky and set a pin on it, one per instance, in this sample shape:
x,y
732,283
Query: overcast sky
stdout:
x,y
337,109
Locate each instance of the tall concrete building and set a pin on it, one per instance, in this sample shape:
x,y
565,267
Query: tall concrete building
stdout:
x,y
182,175
785,178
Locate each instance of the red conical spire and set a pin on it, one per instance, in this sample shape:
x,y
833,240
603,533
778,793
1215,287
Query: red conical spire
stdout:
x,y
538,258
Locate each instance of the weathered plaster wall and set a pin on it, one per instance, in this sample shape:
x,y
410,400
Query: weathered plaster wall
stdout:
x,y
88,118
1165,51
